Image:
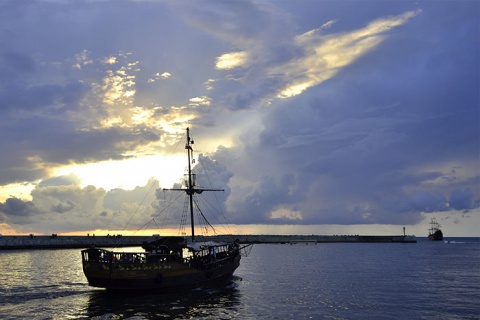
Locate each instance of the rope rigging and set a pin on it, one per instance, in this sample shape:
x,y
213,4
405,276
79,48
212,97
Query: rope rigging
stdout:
x,y
191,202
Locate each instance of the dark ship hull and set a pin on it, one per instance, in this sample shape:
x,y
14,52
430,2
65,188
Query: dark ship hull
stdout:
x,y
436,236
146,271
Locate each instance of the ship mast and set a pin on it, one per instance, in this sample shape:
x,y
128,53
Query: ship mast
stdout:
x,y
190,187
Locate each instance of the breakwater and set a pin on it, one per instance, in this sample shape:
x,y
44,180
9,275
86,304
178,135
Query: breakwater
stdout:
x,y
295,239
66,242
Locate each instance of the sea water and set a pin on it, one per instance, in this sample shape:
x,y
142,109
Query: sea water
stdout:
x,y
424,280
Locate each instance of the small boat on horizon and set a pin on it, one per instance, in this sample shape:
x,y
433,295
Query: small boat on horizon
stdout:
x,y
435,233
168,263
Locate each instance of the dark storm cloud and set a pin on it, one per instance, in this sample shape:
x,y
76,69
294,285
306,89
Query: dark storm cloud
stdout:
x,y
462,199
209,174
364,144
374,144
18,207
63,207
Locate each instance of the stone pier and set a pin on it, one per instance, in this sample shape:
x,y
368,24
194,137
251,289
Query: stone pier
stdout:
x,y
67,242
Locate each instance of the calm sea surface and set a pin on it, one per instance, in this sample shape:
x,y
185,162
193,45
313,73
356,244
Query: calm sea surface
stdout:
x,y
426,280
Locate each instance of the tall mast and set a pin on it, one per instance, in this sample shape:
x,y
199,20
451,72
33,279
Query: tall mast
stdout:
x,y
190,187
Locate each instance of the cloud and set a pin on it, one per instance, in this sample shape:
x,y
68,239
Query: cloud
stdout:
x,y
69,207
231,60
286,69
204,100
157,76
82,59
70,179
461,199
326,55
64,207
72,121
310,113
17,207
363,150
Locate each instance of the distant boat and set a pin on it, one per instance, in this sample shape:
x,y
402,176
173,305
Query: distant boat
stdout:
x,y
434,233
168,263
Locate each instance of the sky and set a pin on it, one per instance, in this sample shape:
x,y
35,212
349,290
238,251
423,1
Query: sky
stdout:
x,y
315,117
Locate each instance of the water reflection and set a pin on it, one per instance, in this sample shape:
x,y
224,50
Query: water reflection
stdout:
x,y
214,303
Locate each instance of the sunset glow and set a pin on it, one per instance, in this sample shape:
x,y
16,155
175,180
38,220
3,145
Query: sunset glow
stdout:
x,y
130,173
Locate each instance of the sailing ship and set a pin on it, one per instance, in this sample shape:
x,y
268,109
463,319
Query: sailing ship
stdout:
x,y
434,233
169,263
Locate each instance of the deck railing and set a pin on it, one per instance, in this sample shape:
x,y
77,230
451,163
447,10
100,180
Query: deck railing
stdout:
x,y
105,259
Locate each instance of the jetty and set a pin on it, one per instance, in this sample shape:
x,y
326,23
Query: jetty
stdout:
x,y
70,242
313,239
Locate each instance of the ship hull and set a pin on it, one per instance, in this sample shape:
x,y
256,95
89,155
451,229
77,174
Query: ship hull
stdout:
x,y
162,277
436,236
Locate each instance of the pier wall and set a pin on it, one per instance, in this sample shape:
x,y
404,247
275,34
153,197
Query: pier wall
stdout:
x,y
65,242
293,239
